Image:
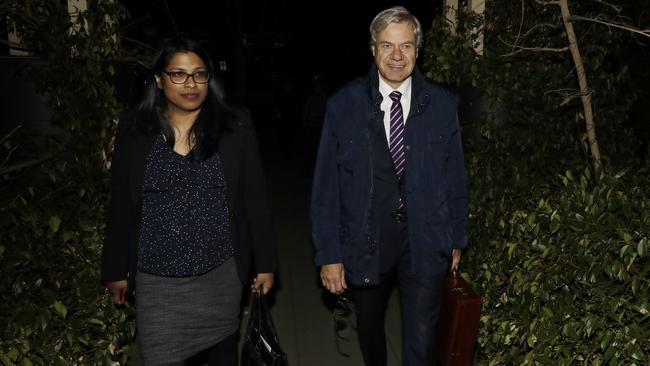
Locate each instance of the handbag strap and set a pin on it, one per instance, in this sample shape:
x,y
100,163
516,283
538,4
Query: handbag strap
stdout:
x,y
265,316
255,314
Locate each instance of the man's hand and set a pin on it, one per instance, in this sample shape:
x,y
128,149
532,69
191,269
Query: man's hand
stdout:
x,y
118,290
263,280
455,259
333,277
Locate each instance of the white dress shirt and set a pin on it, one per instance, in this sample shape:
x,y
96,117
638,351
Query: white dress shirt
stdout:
x,y
405,101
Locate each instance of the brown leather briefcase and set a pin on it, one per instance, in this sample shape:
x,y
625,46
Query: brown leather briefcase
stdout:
x,y
460,316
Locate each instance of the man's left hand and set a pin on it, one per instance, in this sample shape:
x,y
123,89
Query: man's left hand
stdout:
x,y
455,259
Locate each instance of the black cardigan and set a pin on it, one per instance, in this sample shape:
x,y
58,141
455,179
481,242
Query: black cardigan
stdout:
x,y
253,236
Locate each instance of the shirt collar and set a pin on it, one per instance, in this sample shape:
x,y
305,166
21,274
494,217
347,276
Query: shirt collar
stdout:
x,y
404,88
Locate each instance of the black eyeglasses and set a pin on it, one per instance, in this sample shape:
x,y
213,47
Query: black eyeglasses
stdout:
x,y
180,77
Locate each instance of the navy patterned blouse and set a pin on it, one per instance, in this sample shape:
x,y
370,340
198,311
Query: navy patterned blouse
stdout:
x,y
185,222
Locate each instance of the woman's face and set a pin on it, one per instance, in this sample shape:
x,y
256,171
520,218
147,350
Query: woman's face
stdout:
x,y
187,96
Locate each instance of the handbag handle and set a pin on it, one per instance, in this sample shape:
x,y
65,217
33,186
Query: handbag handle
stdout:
x,y
264,315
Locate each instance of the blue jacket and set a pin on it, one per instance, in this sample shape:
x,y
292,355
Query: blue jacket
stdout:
x,y
343,230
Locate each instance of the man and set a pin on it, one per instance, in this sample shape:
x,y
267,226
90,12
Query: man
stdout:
x,y
389,200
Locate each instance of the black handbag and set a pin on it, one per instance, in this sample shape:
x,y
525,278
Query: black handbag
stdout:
x,y
261,346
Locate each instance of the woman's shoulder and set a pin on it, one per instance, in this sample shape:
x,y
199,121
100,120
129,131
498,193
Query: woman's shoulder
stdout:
x,y
126,124
241,117
240,123
127,133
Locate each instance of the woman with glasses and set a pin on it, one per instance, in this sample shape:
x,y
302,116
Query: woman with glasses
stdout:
x,y
188,216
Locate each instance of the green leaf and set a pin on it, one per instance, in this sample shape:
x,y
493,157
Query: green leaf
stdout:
x,y
624,250
569,175
548,313
641,248
606,341
569,330
96,321
5,360
592,325
609,353
635,285
26,362
531,340
67,235
627,237
61,309
531,219
55,222
511,249
555,226
13,354
638,355
83,340
643,310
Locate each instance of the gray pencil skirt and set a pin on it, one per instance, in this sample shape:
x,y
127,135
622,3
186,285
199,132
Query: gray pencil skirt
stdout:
x,y
178,317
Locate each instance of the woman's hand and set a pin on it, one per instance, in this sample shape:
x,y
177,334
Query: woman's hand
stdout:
x,y
263,280
118,290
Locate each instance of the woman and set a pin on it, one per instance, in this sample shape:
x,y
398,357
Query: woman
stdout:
x,y
188,213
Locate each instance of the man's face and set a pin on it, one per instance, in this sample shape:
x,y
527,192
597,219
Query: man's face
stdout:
x,y
395,52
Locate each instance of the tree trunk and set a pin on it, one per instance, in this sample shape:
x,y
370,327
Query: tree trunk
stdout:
x,y
584,89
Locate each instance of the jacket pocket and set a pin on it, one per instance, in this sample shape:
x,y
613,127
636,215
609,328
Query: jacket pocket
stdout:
x,y
149,189
347,154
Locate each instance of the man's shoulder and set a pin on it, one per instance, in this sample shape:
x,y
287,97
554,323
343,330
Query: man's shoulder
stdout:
x,y
352,90
440,92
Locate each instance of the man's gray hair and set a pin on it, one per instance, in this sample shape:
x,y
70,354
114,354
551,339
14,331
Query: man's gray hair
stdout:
x,y
396,14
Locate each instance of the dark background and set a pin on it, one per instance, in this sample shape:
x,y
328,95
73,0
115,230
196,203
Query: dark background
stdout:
x,y
270,51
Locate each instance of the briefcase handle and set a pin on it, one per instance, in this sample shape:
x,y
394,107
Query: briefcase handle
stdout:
x,y
454,279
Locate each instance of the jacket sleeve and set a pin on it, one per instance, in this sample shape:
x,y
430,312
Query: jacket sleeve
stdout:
x,y
325,199
121,221
457,188
256,204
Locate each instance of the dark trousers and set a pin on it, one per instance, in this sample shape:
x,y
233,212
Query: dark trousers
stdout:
x,y
420,303
223,353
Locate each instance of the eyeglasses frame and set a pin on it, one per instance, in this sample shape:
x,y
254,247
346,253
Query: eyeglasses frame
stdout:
x,y
187,77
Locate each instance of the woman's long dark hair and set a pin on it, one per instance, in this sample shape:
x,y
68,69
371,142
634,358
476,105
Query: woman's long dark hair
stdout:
x,y
215,115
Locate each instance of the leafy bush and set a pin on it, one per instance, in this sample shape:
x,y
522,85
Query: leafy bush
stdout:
x,y
560,257
565,273
53,310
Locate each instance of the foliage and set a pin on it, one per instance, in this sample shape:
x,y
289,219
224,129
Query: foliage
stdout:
x,y
560,257
562,265
527,89
53,310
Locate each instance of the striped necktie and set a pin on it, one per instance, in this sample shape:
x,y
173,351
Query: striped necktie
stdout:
x,y
396,144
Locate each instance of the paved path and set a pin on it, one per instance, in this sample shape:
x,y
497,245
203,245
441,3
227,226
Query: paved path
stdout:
x,y
301,312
